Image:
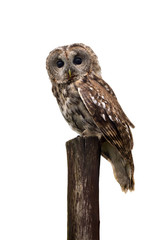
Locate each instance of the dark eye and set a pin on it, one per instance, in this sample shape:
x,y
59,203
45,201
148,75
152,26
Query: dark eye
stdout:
x,y
77,60
60,63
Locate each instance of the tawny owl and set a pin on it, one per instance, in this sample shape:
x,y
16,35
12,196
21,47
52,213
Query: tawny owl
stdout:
x,y
90,106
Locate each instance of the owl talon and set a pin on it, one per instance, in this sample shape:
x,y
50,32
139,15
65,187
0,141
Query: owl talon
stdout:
x,y
89,133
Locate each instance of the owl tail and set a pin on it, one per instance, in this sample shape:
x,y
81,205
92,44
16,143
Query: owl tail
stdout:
x,y
123,169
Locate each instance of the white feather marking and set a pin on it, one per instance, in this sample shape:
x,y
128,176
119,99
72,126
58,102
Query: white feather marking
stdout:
x,y
103,105
117,119
103,116
94,100
110,117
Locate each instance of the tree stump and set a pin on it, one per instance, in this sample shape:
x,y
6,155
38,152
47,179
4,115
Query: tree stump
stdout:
x,y
83,155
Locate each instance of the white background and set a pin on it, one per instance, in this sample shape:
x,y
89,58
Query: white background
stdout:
x,y
33,167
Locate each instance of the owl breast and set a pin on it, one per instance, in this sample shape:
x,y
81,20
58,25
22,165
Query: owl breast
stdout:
x,y
74,110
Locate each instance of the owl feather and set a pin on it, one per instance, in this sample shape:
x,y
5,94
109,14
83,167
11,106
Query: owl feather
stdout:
x,y
109,117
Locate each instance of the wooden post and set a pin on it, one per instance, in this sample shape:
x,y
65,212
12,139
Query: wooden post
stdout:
x,y
83,154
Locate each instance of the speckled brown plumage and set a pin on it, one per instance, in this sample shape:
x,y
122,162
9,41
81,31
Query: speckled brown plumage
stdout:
x,y
90,106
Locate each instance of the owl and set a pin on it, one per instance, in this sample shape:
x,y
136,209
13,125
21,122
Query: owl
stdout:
x,y
91,108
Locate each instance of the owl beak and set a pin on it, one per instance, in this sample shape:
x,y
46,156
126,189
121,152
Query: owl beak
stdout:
x,y
69,73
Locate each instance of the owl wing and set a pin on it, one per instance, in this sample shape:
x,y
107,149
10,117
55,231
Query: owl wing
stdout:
x,y
108,115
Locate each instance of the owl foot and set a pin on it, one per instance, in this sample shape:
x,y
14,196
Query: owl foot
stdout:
x,y
89,133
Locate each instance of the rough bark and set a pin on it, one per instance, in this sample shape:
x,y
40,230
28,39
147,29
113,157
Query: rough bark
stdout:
x,y
83,155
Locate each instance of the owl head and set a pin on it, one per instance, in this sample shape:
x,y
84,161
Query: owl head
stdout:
x,y
71,62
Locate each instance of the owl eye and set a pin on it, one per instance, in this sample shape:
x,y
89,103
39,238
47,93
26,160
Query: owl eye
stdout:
x,y
60,63
77,60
